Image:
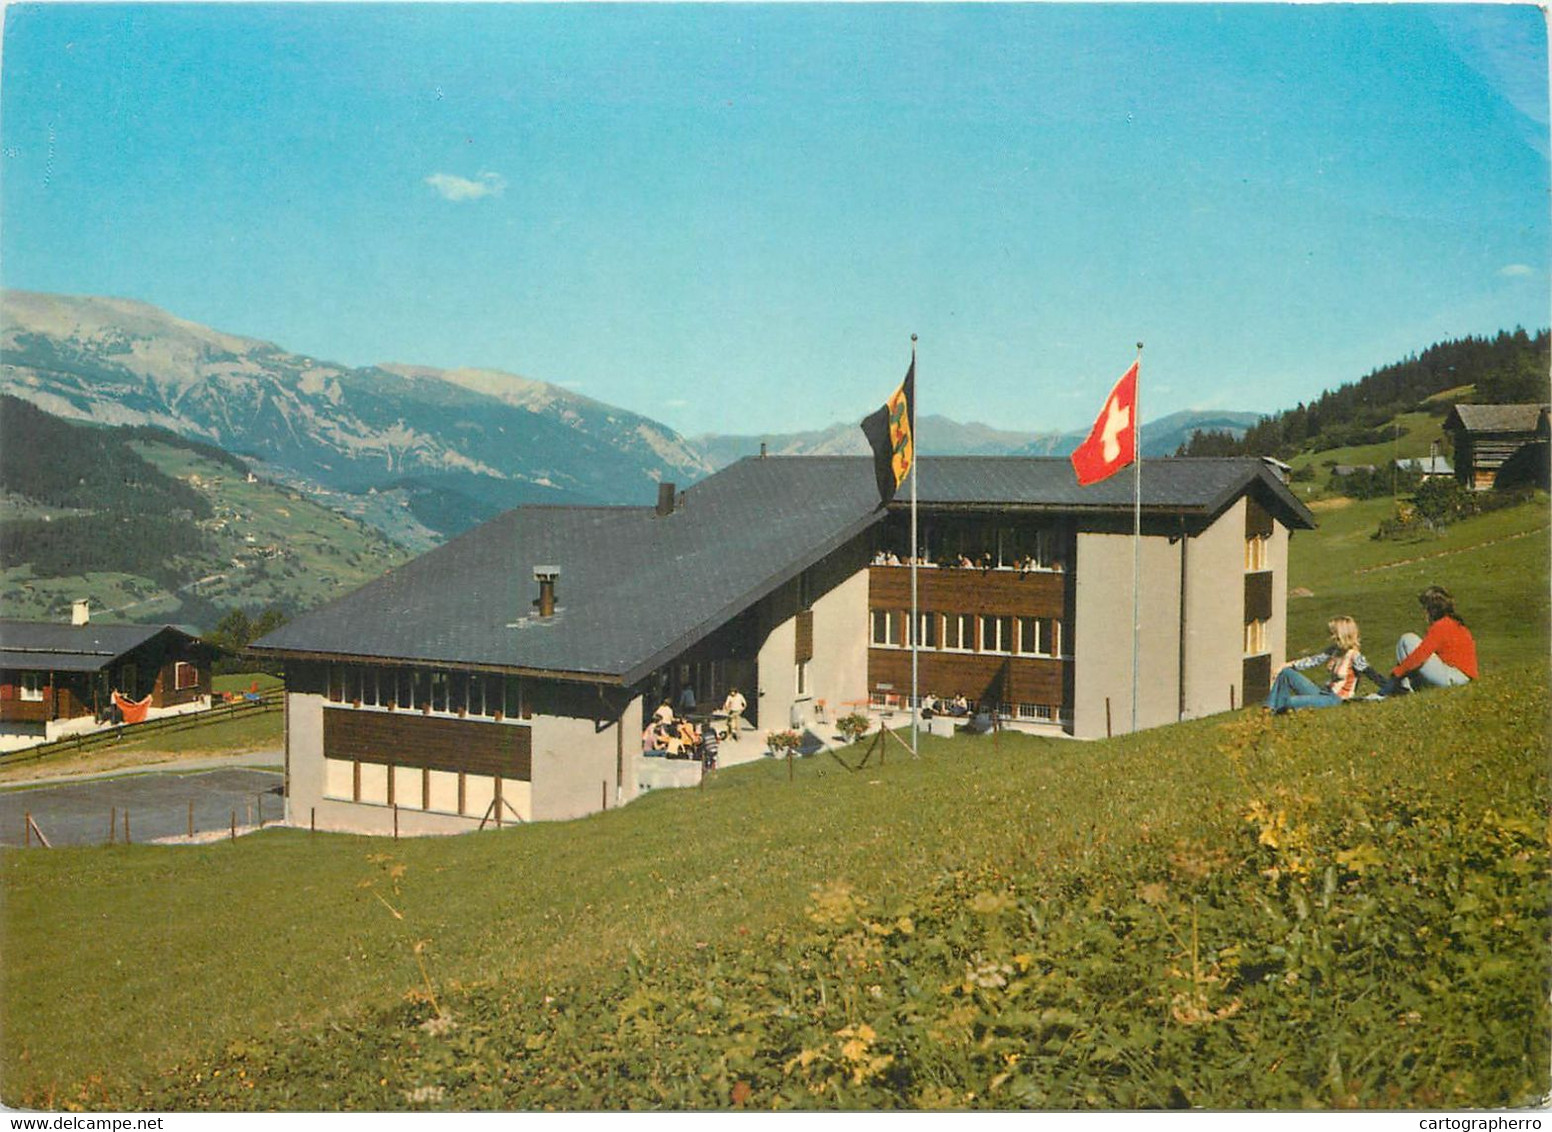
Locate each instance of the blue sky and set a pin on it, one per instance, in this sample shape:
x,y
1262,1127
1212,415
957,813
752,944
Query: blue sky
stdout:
x,y
732,217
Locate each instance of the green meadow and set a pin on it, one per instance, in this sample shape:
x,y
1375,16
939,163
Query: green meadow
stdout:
x,y
1334,909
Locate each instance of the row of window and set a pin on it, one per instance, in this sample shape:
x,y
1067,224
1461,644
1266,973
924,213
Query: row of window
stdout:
x,y
969,632
435,791
418,689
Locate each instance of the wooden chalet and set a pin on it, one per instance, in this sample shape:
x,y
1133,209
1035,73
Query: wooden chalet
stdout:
x,y
508,674
1487,437
57,680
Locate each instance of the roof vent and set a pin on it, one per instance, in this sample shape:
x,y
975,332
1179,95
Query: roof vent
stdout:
x,y
665,499
81,612
545,576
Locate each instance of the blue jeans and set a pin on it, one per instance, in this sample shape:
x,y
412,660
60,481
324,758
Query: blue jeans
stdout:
x,y
1293,689
1433,673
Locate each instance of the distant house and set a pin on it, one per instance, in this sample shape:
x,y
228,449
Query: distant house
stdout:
x,y
512,671
1487,437
58,680
1426,467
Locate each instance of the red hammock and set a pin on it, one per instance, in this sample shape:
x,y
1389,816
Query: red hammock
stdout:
x,y
132,710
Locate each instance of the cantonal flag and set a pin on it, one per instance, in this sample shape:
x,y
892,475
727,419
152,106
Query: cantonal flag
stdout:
x,y
1112,443
891,432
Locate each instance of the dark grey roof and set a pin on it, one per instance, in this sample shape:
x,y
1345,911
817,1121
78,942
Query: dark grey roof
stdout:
x,y
636,589
1496,418
54,646
1194,486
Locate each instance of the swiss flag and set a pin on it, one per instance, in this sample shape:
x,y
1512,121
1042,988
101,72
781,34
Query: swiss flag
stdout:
x,y
1112,443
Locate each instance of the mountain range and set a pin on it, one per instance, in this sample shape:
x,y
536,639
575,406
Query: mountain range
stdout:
x,y
419,451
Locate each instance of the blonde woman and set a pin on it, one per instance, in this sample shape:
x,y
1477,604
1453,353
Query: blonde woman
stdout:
x,y
1343,660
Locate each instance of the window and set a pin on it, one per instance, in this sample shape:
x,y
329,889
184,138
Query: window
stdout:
x,y
996,634
929,630
885,628
958,632
1040,636
439,688
184,675
32,686
1255,637
801,679
1042,713
1255,553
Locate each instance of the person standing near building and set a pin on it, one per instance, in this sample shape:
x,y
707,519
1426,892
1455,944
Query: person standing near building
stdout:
x,y
735,705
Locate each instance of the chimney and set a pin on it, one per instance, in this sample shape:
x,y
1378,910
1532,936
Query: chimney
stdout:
x,y
545,576
81,612
665,499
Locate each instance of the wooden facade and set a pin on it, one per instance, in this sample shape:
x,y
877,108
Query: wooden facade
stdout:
x,y
428,743
172,669
998,636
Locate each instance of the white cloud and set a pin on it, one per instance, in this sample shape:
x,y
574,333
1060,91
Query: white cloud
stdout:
x,y
451,187
1516,270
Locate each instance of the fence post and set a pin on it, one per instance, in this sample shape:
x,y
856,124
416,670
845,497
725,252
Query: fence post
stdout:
x,y
261,811
126,825
1108,733
27,830
234,825
312,819
113,821
396,821
191,819
1231,697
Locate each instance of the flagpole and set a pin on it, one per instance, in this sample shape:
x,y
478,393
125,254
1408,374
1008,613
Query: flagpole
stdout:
x,y
1137,535
915,617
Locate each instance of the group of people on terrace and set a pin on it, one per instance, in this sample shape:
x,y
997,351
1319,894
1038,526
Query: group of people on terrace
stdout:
x,y
1445,656
681,737
1024,564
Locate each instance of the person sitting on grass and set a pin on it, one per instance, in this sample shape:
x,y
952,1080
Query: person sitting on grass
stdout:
x,y
1446,657
1343,660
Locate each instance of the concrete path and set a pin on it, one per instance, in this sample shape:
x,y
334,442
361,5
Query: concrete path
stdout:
x,y
275,757
78,811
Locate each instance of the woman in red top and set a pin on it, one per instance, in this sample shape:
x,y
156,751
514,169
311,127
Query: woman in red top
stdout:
x,y
1447,656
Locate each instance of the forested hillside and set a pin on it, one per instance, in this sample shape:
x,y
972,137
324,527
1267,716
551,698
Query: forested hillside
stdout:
x,y
151,526
1510,368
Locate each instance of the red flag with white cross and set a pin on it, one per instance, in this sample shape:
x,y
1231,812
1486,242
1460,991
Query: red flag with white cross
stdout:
x,y
1112,443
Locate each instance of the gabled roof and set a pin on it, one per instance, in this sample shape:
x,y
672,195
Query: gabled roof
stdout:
x,y
1196,486
1497,418
636,589
57,647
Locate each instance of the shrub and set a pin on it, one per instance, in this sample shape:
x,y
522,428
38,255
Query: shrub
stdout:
x,y
852,727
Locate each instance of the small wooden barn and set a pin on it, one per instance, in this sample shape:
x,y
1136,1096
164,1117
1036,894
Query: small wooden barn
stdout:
x,y
1487,437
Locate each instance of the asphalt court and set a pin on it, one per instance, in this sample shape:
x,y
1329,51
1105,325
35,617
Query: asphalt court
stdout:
x,y
78,813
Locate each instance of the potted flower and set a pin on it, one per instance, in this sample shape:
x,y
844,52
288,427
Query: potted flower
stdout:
x,y
783,742
852,727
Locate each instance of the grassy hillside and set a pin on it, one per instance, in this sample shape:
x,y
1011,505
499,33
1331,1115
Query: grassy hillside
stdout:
x,y
1341,908
258,546
1496,565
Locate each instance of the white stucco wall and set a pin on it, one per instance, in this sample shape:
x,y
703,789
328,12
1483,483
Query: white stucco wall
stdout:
x,y
838,670
1215,615
1102,644
573,774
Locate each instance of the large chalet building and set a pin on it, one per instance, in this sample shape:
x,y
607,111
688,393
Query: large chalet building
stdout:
x,y
511,671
